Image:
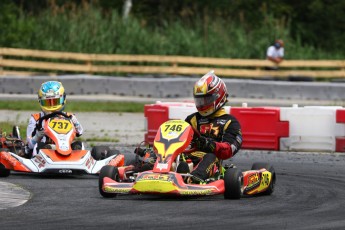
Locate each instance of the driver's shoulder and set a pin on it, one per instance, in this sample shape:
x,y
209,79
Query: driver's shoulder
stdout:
x,y
37,116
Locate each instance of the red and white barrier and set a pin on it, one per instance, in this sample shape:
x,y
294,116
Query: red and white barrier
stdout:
x,y
309,128
261,127
340,139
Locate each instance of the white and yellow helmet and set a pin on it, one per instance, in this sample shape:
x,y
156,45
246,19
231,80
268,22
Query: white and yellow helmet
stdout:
x,y
51,96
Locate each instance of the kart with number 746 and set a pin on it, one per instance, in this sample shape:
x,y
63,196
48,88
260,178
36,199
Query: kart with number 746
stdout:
x,y
172,141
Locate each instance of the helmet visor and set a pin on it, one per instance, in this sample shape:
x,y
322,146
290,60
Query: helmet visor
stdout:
x,y
201,101
52,102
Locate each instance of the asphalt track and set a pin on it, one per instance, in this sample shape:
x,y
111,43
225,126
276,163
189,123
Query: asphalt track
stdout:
x,y
309,194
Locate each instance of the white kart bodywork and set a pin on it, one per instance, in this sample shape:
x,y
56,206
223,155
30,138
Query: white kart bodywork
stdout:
x,y
42,163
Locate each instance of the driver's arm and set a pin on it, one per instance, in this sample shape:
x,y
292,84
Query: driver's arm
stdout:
x,y
29,131
77,125
231,140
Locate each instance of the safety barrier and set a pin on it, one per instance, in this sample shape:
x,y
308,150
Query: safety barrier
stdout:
x,y
309,128
261,127
340,140
312,128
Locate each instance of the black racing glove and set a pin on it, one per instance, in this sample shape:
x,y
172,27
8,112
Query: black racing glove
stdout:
x,y
205,144
140,152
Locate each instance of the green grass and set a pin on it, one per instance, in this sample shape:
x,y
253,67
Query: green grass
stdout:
x,y
6,129
77,106
87,30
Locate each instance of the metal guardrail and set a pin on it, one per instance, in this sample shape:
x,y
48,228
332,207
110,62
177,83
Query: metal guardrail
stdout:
x,y
32,62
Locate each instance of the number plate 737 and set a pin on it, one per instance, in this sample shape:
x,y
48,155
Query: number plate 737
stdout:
x,y
60,126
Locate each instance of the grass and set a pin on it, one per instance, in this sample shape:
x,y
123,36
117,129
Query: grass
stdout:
x,y
6,129
77,106
87,30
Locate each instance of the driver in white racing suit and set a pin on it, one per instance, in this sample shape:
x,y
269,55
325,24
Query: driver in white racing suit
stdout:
x,y
52,98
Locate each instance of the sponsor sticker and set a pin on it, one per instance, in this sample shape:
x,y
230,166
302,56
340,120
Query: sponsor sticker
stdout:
x,y
155,176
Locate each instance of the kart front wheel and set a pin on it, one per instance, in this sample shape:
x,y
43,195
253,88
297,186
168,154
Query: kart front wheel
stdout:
x,y
233,182
4,172
99,152
260,165
111,172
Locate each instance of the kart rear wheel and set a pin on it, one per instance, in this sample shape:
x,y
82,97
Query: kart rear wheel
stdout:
x,y
99,152
269,167
111,172
4,172
233,182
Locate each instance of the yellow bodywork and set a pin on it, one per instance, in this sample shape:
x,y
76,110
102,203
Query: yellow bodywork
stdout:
x,y
266,179
155,186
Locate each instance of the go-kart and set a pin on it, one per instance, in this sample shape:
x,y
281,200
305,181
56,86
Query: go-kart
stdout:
x,y
59,154
172,141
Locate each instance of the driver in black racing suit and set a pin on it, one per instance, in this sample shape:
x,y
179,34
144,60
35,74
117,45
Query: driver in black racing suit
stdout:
x,y
220,133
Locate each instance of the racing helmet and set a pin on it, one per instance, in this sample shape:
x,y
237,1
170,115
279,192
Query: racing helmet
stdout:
x,y
210,94
52,96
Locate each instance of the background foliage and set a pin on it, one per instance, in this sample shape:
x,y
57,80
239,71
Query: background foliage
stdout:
x,y
311,29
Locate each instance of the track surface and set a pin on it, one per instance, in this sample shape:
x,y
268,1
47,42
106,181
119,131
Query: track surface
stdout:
x,y
309,194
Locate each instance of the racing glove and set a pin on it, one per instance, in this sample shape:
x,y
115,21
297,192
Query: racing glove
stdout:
x,y
38,136
140,152
205,144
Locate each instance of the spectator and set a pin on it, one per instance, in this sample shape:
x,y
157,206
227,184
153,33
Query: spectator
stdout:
x,y
275,53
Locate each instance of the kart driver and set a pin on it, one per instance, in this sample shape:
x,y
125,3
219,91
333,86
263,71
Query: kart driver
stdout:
x,y
220,133
52,98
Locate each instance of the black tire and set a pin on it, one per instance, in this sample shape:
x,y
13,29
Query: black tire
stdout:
x,y
111,172
112,152
301,78
269,167
4,172
99,152
233,182
77,145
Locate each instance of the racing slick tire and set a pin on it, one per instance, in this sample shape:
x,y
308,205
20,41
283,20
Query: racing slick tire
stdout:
x,y
99,152
269,167
4,172
233,183
113,152
111,172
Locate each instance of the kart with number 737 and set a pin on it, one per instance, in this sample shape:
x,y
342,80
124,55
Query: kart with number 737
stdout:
x,y
56,155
